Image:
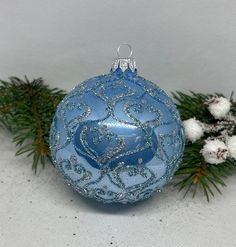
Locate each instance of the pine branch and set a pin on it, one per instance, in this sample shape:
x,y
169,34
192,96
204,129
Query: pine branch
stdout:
x,y
26,110
195,173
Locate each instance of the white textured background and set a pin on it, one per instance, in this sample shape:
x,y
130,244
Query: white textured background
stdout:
x,y
183,44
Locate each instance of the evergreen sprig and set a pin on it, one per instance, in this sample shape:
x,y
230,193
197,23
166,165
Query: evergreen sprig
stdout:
x,y
26,110
194,173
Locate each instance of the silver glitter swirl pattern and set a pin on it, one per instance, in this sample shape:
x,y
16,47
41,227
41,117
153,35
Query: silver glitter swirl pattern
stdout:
x,y
117,138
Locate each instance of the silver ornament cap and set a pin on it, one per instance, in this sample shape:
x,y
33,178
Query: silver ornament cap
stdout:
x,y
124,62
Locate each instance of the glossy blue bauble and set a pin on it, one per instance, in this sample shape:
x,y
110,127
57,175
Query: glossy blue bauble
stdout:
x,y
117,137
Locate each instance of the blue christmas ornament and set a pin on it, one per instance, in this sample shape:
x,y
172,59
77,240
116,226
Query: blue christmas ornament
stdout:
x,y
117,137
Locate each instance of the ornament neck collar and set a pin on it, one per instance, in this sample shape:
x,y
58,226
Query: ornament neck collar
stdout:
x,y
124,63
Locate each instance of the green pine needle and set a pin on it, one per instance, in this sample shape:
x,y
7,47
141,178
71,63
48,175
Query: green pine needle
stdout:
x,y
26,110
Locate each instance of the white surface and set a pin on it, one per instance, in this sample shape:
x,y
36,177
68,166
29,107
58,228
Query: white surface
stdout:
x,y
183,44
41,210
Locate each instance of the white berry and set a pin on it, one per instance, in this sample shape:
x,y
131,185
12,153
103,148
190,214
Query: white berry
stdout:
x,y
219,107
215,151
231,143
193,129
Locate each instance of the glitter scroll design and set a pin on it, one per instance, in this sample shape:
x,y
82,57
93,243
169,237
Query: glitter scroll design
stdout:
x,y
117,138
